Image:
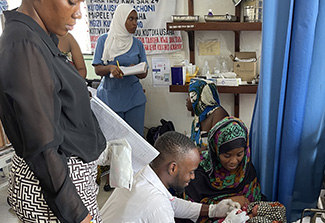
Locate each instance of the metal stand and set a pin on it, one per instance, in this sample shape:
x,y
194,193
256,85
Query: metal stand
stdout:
x,y
314,210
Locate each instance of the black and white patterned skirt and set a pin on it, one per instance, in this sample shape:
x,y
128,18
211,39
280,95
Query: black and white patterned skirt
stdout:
x,y
28,202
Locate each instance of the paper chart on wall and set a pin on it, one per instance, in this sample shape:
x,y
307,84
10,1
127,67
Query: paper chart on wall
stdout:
x,y
114,127
160,72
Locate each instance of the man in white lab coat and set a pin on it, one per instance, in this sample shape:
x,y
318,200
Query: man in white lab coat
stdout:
x,y
149,201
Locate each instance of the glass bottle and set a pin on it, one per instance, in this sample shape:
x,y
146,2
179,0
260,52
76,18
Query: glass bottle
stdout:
x,y
217,68
224,65
206,69
249,10
259,10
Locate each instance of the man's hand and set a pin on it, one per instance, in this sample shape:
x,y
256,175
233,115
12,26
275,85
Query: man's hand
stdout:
x,y
221,209
232,217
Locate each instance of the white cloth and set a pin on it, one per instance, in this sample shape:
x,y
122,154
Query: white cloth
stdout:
x,y
148,201
119,40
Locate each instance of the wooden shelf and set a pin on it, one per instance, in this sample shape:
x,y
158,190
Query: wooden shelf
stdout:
x,y
236,27
235,90
191,27
215,26
241,89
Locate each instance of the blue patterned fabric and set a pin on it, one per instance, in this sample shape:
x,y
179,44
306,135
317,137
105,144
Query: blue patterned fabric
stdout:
x,y
204,97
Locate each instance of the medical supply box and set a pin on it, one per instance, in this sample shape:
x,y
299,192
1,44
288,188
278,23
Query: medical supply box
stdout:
x,y
245,65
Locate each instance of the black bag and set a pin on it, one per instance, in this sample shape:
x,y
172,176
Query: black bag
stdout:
x,y
155,132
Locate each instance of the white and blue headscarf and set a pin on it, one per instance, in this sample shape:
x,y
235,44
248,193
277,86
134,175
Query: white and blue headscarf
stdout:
x,y
205,99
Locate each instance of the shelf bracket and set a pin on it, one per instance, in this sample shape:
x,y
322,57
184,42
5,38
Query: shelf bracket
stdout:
x,y
190,5
191,41
237,41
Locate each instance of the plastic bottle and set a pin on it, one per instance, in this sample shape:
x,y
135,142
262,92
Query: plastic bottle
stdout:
x,y
217,68
223,65
249,10
259,11
206,69
186,76
210,13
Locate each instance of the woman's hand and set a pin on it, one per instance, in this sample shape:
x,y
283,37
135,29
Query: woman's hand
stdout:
x,y
141,76
242,200
87,219
116,72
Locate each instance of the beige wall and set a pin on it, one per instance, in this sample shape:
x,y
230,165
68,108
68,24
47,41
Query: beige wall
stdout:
x,y
171,106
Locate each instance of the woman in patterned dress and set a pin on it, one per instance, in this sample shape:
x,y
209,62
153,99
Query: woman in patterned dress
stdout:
x,y
45,111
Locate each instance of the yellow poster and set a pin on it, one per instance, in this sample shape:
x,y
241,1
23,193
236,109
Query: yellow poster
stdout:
x,y
209,48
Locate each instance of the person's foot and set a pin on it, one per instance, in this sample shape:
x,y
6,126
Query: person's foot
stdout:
x,y
107,187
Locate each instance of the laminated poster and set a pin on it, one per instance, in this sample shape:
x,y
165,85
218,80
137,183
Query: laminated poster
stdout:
x,y
160,72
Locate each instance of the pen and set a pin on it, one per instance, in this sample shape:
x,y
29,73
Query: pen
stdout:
x,y
118,65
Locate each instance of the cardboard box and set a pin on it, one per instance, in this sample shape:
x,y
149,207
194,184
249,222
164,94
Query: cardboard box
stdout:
x,y
245,70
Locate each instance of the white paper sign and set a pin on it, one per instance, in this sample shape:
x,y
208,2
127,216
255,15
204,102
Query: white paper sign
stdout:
x,y
151,30
160,72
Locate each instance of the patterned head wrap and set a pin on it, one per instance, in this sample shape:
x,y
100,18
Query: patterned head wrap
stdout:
x,y
205,99
227,130
228,137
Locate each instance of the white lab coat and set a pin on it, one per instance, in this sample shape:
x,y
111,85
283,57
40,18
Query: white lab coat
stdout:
x,y
149,201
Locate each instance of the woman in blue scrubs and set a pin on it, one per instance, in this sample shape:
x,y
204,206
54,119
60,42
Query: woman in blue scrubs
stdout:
x,y
118,47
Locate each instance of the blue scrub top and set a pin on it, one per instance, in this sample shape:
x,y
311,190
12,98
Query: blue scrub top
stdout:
x,y
124,94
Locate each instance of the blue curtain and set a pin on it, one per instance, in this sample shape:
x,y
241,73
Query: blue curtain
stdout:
x,y
288,126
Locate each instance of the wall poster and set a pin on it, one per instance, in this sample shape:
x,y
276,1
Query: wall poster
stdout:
x,y
160,72
151,30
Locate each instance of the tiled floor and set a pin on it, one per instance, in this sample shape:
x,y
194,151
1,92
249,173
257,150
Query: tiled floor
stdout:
x,y
8,216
